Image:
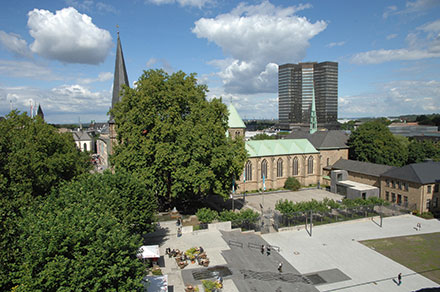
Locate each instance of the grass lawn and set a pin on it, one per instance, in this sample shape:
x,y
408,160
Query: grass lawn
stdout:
x,y
420,253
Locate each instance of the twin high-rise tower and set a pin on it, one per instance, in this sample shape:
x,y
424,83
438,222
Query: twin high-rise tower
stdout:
x,y
296,83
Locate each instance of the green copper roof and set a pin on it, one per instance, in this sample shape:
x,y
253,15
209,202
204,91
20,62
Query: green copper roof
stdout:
x,y
234,119
258,148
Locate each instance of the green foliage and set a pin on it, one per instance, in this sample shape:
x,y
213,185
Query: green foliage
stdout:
x,y
419,151
34,157
286,207
292,184
263,136
125,196
350,125
174,139
75,242
431,120
373,142
157,272
248,215
210,286
228,215
206,215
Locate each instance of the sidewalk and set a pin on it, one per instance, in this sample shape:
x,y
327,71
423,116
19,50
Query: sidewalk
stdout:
x,y
337,246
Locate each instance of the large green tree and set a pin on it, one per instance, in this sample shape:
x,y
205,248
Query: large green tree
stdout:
x,y
81,237
173,138
34,157
418,151
373,142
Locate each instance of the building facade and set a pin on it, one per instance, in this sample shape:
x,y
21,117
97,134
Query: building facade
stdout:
x,y
296,83
415,186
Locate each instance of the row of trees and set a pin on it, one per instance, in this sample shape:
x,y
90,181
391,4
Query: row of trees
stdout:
x,y
373,142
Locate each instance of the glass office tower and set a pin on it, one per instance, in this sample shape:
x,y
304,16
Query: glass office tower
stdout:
x,y
295,84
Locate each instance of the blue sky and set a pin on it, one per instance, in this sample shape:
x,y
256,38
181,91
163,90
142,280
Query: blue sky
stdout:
x,y
60,54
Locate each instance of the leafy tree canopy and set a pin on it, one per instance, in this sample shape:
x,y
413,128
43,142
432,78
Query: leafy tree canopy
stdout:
x,y
292,184
419,151
373,142
174,139
34,157
81,237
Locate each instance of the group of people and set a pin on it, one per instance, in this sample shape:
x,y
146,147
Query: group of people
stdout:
x,y
265,248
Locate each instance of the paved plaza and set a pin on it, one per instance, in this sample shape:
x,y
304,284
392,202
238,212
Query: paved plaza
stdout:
x,y
332,259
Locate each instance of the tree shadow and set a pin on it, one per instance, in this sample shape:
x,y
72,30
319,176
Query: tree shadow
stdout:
x,y
157,237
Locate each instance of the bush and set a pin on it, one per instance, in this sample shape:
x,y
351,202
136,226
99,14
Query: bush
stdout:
x,y
228,215
210,286
206,215
292,184
157,272
248,215
427,215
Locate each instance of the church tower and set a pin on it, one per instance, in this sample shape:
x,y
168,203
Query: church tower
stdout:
x,y
120,78
236,127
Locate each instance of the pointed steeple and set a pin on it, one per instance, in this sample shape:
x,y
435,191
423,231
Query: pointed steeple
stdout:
x,y
120,77
313,119
40,112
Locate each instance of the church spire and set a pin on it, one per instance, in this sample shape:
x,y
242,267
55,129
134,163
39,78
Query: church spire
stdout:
x,y
313,120
40,112
120,77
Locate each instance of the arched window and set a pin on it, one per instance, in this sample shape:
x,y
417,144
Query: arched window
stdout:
x,y
280,168
295,166
85,147
248,171
310,165
264,168
237,133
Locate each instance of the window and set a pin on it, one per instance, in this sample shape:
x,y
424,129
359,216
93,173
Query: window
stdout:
x,y
435,203
436,187
393,183
429,189
405,201
387,182
328,161
400,185
428,203
85,147
310,165
364,196
248,171
406,186
237,133
295,166
387,196
393,197
280,168
399,199
264,168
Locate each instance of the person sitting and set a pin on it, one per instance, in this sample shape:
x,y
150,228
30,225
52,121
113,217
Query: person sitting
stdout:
x,y
168,251
201,249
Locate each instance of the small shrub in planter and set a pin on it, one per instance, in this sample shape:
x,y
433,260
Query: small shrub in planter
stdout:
x,y
210,286
157,272
292,184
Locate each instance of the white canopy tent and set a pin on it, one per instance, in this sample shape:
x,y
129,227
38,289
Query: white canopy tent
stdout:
x,y
149,252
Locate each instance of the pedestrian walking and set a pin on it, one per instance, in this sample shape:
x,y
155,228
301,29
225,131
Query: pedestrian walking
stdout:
x,y
262,249
399,279
268,250
419,226
280,267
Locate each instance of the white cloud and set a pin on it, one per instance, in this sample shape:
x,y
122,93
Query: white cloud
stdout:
x,y
26,69
335,44
103,76
417,48
255,38
62,104
15,44
391,36
394,98
68,36
416,6
193,3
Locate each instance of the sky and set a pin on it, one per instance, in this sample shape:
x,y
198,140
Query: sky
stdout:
x,y
61,54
